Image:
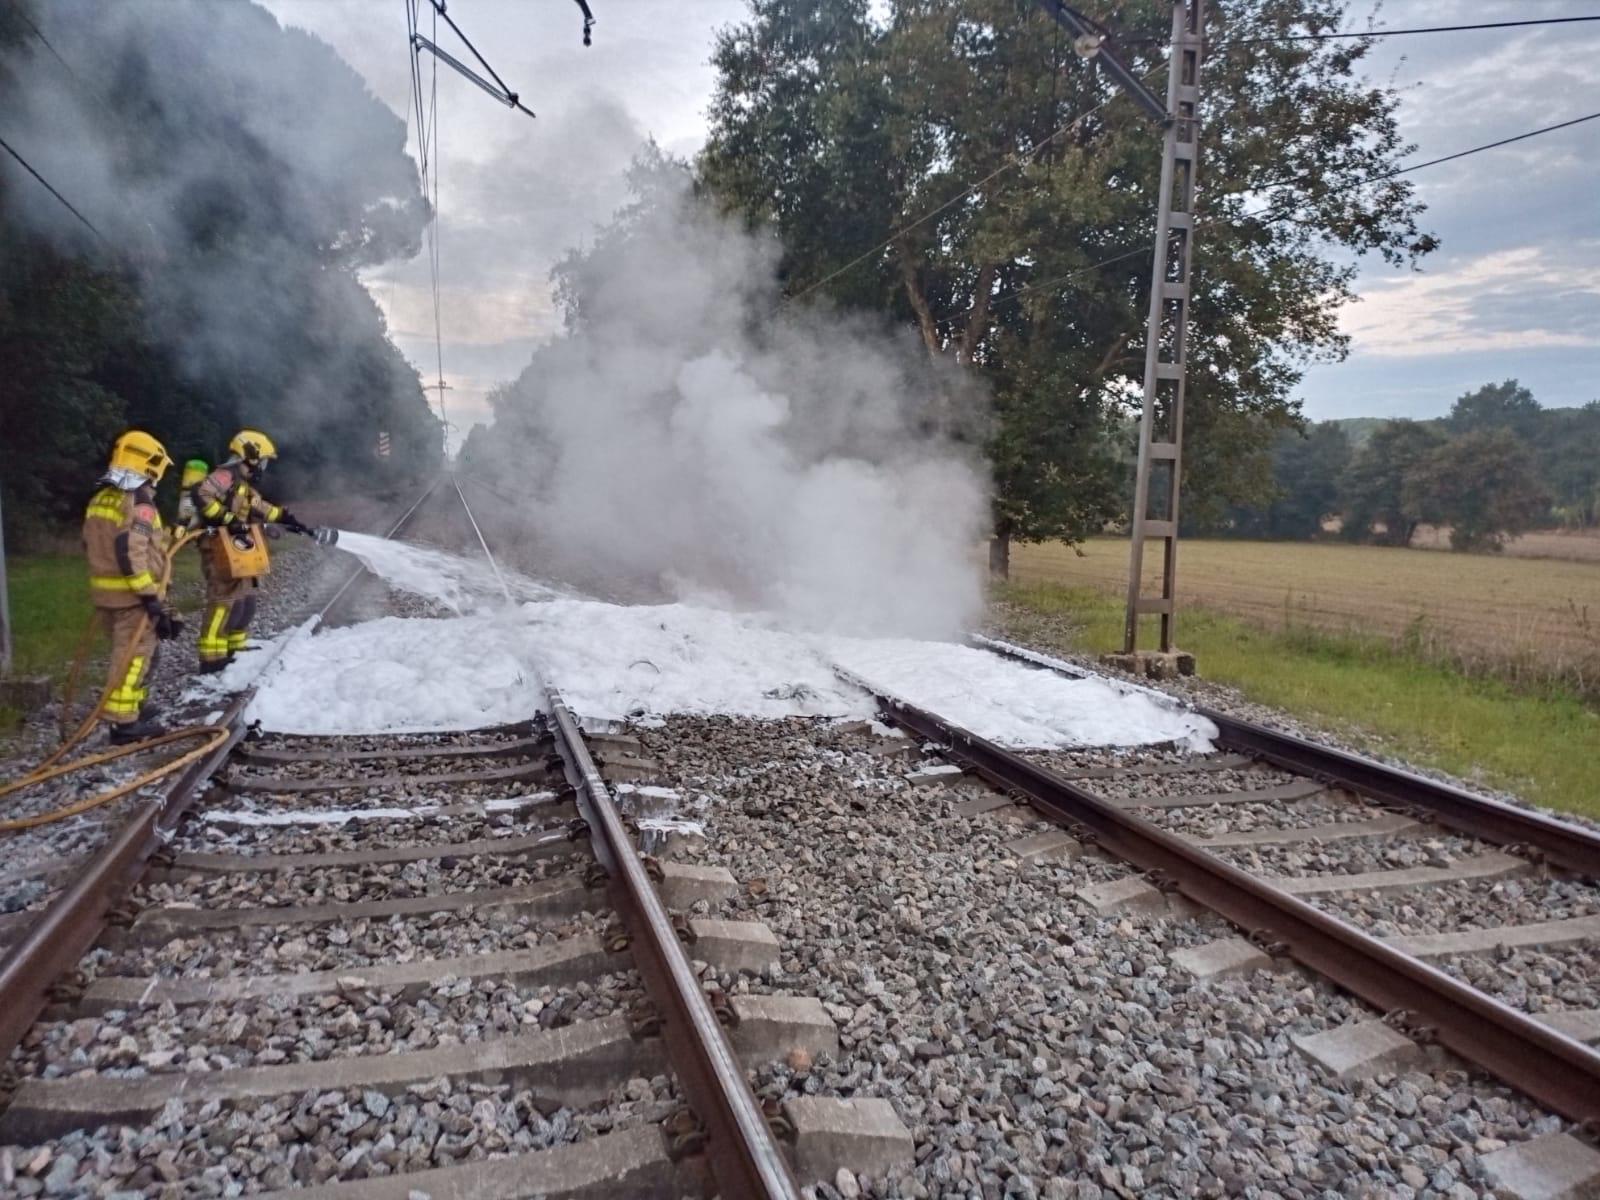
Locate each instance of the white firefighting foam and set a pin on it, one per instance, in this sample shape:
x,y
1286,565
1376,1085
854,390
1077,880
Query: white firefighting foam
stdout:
x,y
617,662
462,585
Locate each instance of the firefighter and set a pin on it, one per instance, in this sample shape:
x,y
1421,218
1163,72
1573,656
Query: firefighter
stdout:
x,y
125,544
229,502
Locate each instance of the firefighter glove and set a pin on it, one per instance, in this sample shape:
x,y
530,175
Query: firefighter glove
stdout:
x,y
168,625
294,524
163,620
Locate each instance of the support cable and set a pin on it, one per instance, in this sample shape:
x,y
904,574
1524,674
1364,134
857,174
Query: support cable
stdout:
x,y
439,11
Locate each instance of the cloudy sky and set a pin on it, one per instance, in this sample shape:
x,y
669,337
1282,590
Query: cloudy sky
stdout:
x,y
1514,290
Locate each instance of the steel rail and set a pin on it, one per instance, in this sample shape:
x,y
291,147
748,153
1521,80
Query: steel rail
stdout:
x,y
1561,842
744,1156
361,572
1553,1069
72,923
69,927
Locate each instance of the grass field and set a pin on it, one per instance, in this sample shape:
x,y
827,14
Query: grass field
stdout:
x,y
1530,622
50,611
1541,746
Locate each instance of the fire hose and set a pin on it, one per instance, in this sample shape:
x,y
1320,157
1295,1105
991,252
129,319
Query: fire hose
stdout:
x,y
54,768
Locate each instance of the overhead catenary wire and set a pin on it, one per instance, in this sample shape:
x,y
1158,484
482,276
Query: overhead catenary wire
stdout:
x,y
49,187
1019,159
1383,33
434,232
1269,39
1149,247
77,79
428,163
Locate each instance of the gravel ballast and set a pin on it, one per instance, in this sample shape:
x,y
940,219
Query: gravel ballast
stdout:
x,y
273,949
301,1141
355,1020
1033,1048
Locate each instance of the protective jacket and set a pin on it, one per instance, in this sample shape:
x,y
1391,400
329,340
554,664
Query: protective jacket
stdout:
x,y
226,497
124,542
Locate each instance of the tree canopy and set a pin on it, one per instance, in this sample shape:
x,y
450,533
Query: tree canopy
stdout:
x,y
1481,484
1001,198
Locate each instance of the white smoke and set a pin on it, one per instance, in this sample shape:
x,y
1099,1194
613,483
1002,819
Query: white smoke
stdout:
x,y
238,173
693,433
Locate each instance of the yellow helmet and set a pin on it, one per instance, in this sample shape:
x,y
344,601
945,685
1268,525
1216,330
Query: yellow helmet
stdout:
x,y
140,453
252,446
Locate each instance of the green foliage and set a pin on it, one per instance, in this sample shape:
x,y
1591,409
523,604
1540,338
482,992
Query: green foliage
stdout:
x,y
1482,485
1566,443
1372,493
1542,464
1507,405
1307,471
839,124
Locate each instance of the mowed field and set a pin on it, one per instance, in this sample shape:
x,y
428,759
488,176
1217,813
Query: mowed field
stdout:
x,y
1528,619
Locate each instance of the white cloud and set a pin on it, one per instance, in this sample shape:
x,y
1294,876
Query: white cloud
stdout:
x,y
1526,298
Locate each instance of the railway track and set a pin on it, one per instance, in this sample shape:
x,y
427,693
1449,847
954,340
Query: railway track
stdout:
x,y
438,964
412,964
1402,890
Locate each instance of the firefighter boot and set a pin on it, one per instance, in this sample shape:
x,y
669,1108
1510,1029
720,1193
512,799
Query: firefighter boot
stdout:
x,y
136,731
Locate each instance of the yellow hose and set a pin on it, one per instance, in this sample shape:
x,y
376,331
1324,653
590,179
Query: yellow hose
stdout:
x,y
53,768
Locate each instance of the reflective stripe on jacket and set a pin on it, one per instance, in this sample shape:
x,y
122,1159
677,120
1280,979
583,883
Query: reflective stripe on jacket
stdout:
x,y
225,497
124,543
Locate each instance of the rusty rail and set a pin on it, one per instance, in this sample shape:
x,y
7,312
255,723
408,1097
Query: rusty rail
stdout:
x,y
74,921
1555,1070
744,1156
1561,842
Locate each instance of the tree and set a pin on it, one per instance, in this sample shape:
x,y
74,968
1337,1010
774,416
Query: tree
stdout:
x,y
1566,443
850,132
1481,484
1506,405
1308,467
1372,491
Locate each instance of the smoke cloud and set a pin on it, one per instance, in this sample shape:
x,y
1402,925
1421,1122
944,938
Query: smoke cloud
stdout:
x,y
240,174
691,434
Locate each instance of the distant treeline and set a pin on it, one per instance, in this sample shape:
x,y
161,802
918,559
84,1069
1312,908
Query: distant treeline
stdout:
x,y
1498,465
236,175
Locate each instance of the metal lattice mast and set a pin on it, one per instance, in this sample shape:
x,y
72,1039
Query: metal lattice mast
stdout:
x,y
1166,338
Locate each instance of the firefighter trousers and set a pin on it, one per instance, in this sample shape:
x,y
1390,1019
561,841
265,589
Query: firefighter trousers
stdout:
x,y
230,607
133,657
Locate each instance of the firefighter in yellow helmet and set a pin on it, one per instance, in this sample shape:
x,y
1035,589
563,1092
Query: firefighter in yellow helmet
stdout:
x,y
233,557
125,543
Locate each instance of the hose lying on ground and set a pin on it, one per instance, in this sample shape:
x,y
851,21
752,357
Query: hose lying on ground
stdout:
x,y
54,768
